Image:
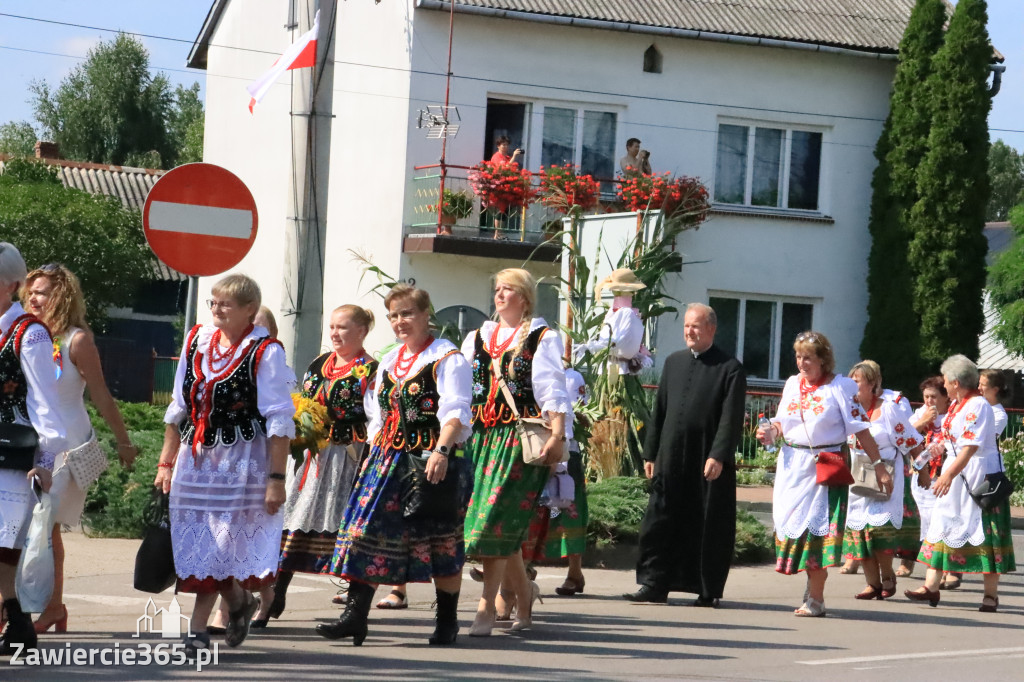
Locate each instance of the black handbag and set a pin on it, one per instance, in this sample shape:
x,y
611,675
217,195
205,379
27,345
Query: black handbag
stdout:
x,y
994,490
421,499
18,445
154,562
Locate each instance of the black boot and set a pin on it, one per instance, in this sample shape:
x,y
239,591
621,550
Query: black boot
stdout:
x,y
19,629
284,578
353,621
447,618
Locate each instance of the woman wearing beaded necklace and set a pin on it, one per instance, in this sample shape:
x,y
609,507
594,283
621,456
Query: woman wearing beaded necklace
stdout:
x,y
223,460
319,488
506,489
815,415
421,396
961,535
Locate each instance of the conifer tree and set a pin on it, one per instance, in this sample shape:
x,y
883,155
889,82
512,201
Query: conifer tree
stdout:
x,y
948,246
891,334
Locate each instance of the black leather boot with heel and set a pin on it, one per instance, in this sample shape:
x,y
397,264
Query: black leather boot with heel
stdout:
x,y
353,621
446,618
19,629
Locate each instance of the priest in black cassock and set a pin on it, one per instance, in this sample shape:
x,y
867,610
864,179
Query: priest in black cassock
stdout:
x,y
688,532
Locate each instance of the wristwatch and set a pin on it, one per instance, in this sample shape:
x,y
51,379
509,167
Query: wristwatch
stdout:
x,y
443,450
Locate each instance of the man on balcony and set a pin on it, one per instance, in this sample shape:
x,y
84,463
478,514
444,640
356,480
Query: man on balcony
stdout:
x,y
636,161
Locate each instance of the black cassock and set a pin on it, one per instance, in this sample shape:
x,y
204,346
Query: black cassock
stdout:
x,y
688,532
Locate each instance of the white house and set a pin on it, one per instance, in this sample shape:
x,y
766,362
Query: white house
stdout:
x,y
776,106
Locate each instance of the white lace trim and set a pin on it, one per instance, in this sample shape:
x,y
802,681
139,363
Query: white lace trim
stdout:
x,y
281,424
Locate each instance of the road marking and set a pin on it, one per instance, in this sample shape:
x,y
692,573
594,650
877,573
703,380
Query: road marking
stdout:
x,y
913,656
213,221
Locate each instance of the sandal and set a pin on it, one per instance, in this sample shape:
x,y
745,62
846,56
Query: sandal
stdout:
x,y
950,581
851,567
989,608
571,586
476,575
239,621
906,568
812,608
888,587
388,603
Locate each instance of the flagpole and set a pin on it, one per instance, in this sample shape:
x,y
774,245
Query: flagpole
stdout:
x,y
444,137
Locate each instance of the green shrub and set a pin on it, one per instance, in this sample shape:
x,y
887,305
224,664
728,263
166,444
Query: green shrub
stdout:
x,y
754,542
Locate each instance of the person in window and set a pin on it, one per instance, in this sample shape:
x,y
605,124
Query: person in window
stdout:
x,y
53,294
961,535
636,161
223,462
815,416
421,400
878,530
30,399
503,144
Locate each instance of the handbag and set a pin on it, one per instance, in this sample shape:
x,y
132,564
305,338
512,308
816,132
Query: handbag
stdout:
x,y
865,478
420,498
532,432
18,445
994,490
34,580
86,462
154,562
829,467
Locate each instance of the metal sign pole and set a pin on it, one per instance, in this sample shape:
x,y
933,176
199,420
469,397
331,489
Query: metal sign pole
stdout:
x,y
190,303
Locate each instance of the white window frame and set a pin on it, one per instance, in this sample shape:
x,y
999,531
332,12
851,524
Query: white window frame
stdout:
x,y
787,146
775,352
537,141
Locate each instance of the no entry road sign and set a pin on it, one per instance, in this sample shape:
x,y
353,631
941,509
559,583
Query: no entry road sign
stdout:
x,y
200,219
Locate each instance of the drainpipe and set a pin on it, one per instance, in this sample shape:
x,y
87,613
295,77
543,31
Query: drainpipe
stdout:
x,y
997,78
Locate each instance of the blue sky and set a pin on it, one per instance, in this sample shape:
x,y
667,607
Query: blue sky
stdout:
x,y
183,19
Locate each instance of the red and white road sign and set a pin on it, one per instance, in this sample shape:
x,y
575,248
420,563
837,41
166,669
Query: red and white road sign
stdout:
x,y
200,219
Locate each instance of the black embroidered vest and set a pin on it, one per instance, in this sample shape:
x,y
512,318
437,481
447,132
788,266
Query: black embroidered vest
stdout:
x,y
343,397
230,410
521,385
418,399
13,384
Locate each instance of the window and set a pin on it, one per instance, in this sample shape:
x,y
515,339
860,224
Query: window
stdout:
x,y
582,137
767,166
760,332
652,60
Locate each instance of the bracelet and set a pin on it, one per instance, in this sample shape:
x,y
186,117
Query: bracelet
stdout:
x,y
877,462
275,476
129,444
165,465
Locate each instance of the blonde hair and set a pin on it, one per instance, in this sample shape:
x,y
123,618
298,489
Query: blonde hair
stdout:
x,y
524,284
242,289
817,343
270,322
361,316
65,307
871,372
419,297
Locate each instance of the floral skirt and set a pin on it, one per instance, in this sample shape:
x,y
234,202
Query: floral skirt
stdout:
x,y
809,551
376,544
554,537
873,541
505,492
994,555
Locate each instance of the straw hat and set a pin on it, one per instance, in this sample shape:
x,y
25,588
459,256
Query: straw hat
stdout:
x,y
622,280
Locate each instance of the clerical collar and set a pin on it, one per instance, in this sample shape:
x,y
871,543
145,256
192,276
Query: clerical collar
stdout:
x,y
696,354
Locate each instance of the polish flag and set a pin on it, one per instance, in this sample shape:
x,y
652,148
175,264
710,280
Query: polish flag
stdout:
x,y
300,55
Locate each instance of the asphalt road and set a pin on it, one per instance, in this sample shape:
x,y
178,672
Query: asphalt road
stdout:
x,y
596,636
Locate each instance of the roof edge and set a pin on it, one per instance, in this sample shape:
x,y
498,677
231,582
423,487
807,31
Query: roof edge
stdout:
x,y
197,55
557,19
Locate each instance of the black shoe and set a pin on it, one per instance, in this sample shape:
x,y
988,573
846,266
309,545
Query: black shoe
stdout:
x,y
706,602
258,623
19,629
446,619
240,620
646,593
353,621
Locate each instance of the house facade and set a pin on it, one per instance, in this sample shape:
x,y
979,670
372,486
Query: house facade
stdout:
x,y
776,109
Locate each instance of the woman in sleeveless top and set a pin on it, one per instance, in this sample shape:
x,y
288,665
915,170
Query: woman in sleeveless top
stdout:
x,y
29,398
420,409
53,294
229,425
505,488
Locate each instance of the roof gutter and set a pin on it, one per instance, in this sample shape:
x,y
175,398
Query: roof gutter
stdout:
x,y
627,27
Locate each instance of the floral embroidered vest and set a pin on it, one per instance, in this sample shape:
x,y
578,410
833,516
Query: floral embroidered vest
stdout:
x,y
418,398
229,410
520,386
343,397
13,384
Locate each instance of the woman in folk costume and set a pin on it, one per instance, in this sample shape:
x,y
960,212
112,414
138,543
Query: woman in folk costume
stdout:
x,y
961,535
622,332
29,402
421,396
223,461
506,489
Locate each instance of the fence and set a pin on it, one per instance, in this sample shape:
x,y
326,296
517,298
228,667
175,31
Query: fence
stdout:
x,y
164,370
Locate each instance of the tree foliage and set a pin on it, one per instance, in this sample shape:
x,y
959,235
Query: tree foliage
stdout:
x,y
1006,176
1006,287
891,336
95,236
17,138
948,246
185,124
111,109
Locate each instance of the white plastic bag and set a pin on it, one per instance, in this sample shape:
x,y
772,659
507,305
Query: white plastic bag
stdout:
x,y
560,490
34,582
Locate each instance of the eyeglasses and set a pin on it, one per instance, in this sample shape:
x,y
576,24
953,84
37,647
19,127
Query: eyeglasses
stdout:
x,y
808,336
401,315
50,267
213,304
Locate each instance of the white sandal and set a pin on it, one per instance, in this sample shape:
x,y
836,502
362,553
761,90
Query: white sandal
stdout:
x,y
812,608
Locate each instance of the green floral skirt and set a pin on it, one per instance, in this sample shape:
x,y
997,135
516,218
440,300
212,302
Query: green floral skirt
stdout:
x,y
994,555
809,551
873,541
505,492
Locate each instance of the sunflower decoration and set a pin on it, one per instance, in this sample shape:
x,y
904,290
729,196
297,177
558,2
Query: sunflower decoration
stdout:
x,y
310,427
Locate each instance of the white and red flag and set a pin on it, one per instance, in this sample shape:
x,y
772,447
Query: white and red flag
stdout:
x,y
301,54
